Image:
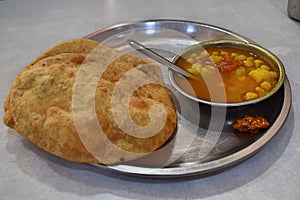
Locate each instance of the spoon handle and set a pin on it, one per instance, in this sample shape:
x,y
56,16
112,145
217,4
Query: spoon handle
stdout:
x,y
151,54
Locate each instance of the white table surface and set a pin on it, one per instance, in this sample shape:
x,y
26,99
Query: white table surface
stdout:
x,y
27,28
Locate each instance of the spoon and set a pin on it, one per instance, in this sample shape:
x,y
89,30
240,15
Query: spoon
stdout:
x,y
151,54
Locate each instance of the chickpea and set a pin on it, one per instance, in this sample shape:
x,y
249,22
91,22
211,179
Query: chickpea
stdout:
x,y
265,67
248,63
240,57
250,95
197,66
224,53
234,54
250,59
212,68
266,85
193,71
204,53
260,91
258,62
216,58
193,55
240,71
191,60
216,53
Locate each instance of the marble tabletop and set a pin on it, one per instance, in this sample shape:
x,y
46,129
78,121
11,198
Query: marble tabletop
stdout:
x,y
30,27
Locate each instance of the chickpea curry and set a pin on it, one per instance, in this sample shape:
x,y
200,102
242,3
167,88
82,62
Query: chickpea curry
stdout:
x,y
244,76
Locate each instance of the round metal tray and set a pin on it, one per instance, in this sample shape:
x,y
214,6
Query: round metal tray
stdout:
x,y
169,37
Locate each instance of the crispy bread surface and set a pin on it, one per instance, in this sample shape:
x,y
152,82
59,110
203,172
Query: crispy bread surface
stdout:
x,y
40,106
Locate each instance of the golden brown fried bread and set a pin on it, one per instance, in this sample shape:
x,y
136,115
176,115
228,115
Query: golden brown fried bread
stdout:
x,y
41,107
78,45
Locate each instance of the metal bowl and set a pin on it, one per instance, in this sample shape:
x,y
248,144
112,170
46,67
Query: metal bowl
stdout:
x,y
266,55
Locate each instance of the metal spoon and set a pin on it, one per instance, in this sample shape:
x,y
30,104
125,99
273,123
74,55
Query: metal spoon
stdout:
x,y
151,54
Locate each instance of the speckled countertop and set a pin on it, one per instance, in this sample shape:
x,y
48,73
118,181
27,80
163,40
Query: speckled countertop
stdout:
x,y
30,27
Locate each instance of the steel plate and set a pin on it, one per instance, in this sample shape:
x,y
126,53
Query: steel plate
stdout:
x,y
168,37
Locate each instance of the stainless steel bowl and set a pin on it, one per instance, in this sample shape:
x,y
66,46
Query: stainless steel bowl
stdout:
x,y
266,55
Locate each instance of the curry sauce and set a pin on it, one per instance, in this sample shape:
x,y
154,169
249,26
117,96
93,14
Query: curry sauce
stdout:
x,y
226,74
